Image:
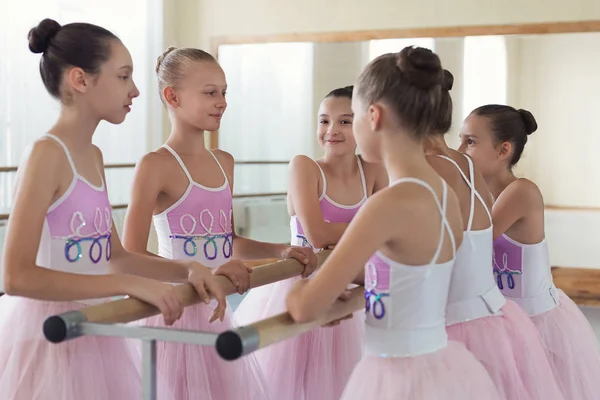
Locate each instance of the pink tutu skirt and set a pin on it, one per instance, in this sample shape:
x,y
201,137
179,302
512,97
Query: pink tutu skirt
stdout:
x,y
313,366
197,372
510,348
89,367
448,374
573,349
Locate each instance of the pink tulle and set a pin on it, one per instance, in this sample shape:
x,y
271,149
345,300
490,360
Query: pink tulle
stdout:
x,y
573,349
198,372
448,374
89,367
313,366
510,348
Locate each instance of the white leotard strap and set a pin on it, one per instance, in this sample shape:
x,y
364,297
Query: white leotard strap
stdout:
x,y
474,193
362,176
324,182
179,161
66,150
363,180
445,226
219,164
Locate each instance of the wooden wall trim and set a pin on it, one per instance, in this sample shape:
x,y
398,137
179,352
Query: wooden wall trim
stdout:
x,y
582,285
449,31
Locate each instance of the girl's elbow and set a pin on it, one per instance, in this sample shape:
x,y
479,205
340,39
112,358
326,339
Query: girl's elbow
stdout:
x,y
301,313
318,241
14,283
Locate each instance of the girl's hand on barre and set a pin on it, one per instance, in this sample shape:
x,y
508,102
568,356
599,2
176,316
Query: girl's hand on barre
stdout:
x,y
343,297
237,272
303,254
201,277
160,295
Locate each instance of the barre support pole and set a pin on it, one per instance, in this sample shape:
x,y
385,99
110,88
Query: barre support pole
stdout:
x,y
239,342
65,326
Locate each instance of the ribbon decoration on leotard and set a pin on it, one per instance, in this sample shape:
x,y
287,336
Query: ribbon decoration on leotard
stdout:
x,y
209,237
371,296
76,237
504,270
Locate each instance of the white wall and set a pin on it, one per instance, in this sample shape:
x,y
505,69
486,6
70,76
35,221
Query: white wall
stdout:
x,y
335,65
560,85
573,238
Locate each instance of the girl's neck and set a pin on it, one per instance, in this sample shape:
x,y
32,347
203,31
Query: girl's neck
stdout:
x,y
185,139
498,182
436,145
403,156
341,166
75,127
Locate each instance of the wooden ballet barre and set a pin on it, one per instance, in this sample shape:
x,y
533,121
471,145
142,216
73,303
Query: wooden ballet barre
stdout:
x,y
65,326
239,342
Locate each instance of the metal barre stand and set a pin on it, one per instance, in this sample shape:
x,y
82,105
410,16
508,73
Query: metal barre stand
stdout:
x,y
230,345
112,322
73,324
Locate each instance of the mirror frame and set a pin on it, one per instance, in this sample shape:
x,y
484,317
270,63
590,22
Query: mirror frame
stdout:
x,y
358,36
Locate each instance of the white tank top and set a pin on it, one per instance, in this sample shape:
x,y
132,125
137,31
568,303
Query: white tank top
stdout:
x,y
473,290
405,304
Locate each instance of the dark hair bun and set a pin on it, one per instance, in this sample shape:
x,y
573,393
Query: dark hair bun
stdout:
x,y
420,67
529,120
448,80
40,36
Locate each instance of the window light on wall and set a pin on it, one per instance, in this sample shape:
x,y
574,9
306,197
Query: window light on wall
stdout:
x,y
27,111
485,77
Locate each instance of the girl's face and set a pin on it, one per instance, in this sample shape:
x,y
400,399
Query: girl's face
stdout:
x,y
477,140
112,91
200,95
334,129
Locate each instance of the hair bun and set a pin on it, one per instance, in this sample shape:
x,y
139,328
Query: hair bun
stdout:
x,y
161,58
448,81
40,36
529,120
420,67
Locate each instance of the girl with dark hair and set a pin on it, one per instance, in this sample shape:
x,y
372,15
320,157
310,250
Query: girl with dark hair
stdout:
x,y
494,329
495,136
